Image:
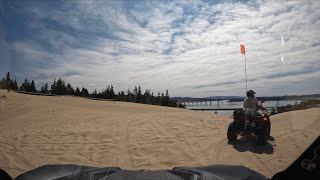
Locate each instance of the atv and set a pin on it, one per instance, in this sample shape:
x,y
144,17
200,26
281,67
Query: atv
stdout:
x,y
246,122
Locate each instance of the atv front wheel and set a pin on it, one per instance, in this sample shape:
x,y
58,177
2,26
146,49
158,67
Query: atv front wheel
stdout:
x,y
232,132
263,135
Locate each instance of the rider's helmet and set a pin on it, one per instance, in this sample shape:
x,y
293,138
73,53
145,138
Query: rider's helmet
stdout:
x,y
251,93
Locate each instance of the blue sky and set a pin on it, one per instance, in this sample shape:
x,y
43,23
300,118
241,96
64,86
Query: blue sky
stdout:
x,y
189,47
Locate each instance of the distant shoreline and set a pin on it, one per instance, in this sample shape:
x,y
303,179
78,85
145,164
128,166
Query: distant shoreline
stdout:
x,y
240,98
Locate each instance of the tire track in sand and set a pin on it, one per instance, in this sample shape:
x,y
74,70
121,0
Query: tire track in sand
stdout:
x,y
173,134
219,150
223,147
167,155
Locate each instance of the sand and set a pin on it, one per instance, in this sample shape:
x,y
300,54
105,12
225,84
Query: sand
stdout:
x,y
38,130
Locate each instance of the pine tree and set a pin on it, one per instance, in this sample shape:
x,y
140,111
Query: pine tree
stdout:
x,y
146,97
53,86
122,96
158,99
111,93
152,98
33,87
94,93
25,86
8,79
11,84
161,103
60,87
15,85
128,96
44,89
166,98
69,89
139,100
8,83
135,91
84,92
77,93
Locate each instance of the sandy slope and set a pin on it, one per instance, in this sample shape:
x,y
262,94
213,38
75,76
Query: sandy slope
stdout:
x,y
36,130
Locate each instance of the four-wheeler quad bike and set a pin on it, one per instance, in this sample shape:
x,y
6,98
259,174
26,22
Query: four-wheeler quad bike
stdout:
x,y
246,122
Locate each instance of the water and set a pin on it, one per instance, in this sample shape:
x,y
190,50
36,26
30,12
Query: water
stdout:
x,y
226,104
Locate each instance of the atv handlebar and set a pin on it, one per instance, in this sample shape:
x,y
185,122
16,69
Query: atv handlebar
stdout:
x,y
262,107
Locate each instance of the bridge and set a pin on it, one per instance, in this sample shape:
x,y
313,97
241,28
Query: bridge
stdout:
x,y
206,102
220,109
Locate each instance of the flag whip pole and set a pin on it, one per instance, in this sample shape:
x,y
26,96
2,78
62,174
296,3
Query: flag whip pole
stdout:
x,y
245,70
243,51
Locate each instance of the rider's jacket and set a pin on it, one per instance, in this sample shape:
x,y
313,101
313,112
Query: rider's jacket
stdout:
x,y
252,103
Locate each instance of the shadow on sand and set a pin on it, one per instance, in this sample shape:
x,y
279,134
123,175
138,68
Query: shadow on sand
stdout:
x,y
249,144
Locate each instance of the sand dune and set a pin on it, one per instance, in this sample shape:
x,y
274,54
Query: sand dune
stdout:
x,y
38,130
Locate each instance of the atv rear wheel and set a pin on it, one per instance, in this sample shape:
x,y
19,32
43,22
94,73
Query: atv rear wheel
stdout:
x,y
232,132
263,135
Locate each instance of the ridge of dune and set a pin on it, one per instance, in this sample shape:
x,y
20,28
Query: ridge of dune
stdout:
x,y
38,130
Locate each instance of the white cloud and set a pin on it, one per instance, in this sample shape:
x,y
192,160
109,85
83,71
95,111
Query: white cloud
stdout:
x,y
191,48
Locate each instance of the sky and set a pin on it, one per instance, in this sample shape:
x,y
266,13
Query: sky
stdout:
x,y
190,47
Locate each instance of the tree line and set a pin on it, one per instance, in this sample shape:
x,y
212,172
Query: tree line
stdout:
x,y
306,104
59,87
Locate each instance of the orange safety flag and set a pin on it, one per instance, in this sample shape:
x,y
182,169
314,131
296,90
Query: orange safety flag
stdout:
x,y
242,49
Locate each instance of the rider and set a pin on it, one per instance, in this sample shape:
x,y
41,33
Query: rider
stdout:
x,y
251,102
